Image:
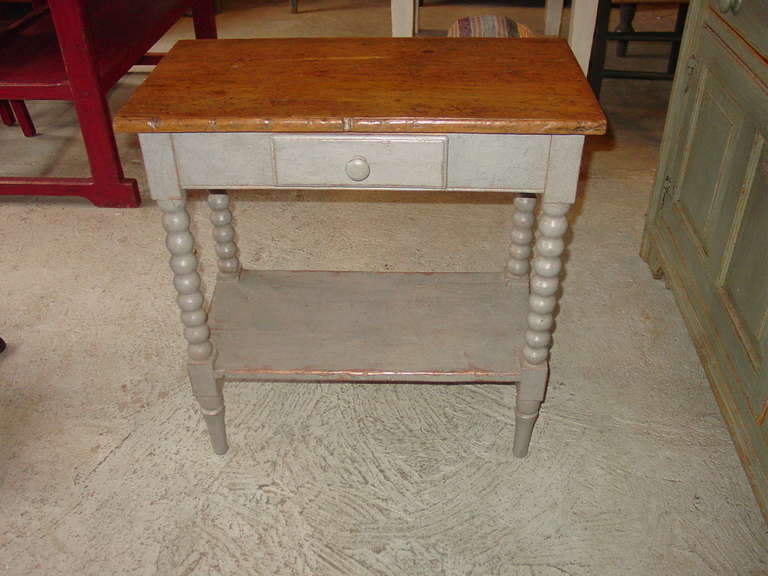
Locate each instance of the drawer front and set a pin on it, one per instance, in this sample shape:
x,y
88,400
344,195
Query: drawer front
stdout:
x,y
360,162
498,162
503,162
748,17
225,160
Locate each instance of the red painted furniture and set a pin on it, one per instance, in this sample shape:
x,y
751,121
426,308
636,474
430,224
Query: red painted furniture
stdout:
x,y
17,110
77,51
11,111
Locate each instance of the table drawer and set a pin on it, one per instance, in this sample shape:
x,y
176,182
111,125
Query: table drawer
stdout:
x,y
360,162
504,162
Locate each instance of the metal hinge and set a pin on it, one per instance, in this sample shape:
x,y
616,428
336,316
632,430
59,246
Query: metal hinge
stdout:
x,y
690,68
666,189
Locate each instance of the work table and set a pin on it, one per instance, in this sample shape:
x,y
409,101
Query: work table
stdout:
x,y
508,115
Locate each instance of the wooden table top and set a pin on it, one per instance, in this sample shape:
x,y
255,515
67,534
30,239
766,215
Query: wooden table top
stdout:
x,y
520,86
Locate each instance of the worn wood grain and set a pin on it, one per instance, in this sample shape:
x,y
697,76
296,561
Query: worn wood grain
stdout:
x,y
369,326
531,86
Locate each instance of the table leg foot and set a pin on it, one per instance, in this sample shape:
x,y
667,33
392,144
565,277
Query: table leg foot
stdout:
x,y
530,395
217,431
209,393
213,414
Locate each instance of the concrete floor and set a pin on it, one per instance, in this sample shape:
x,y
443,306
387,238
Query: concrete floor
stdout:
x,y
105,467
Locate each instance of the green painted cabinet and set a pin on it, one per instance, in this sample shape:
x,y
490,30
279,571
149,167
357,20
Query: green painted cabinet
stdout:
x,y
707,227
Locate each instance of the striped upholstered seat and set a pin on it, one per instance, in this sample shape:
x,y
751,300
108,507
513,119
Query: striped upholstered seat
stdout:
x,y
488,26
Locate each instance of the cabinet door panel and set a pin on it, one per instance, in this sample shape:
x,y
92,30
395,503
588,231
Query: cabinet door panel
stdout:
x,y
721,130
716,212
746,277
715,137
744,290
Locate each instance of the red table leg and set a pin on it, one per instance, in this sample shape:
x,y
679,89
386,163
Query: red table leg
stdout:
x,y
6,114
204,17
111,188
22,115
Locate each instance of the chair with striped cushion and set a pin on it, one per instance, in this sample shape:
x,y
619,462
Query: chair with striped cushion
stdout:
x,y
488,26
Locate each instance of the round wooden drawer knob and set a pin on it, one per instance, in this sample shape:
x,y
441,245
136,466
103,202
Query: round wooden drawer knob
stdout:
x,y
358,168
729,6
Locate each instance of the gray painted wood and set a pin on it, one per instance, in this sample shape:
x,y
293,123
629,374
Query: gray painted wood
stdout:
x,y
742,48
362,326
369,327
373,161
171,198
712,186
160,164
745,274
223,233
186,280
545,281
553,17
563,169
209,394
404,15
530,395
497,161
202,159
581,30
522,235
504,162
708,223
748,17
366,326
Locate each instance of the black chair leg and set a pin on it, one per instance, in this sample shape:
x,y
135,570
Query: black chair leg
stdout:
x,y
626,15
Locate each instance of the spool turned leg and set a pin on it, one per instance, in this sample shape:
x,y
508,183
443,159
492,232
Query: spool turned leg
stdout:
x,y
520,248
186,280
541,305
223,233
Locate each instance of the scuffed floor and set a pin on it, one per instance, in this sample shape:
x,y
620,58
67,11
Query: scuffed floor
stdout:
x,y
105,467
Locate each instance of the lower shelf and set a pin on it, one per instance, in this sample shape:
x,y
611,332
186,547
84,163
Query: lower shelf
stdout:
x,y
367,326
